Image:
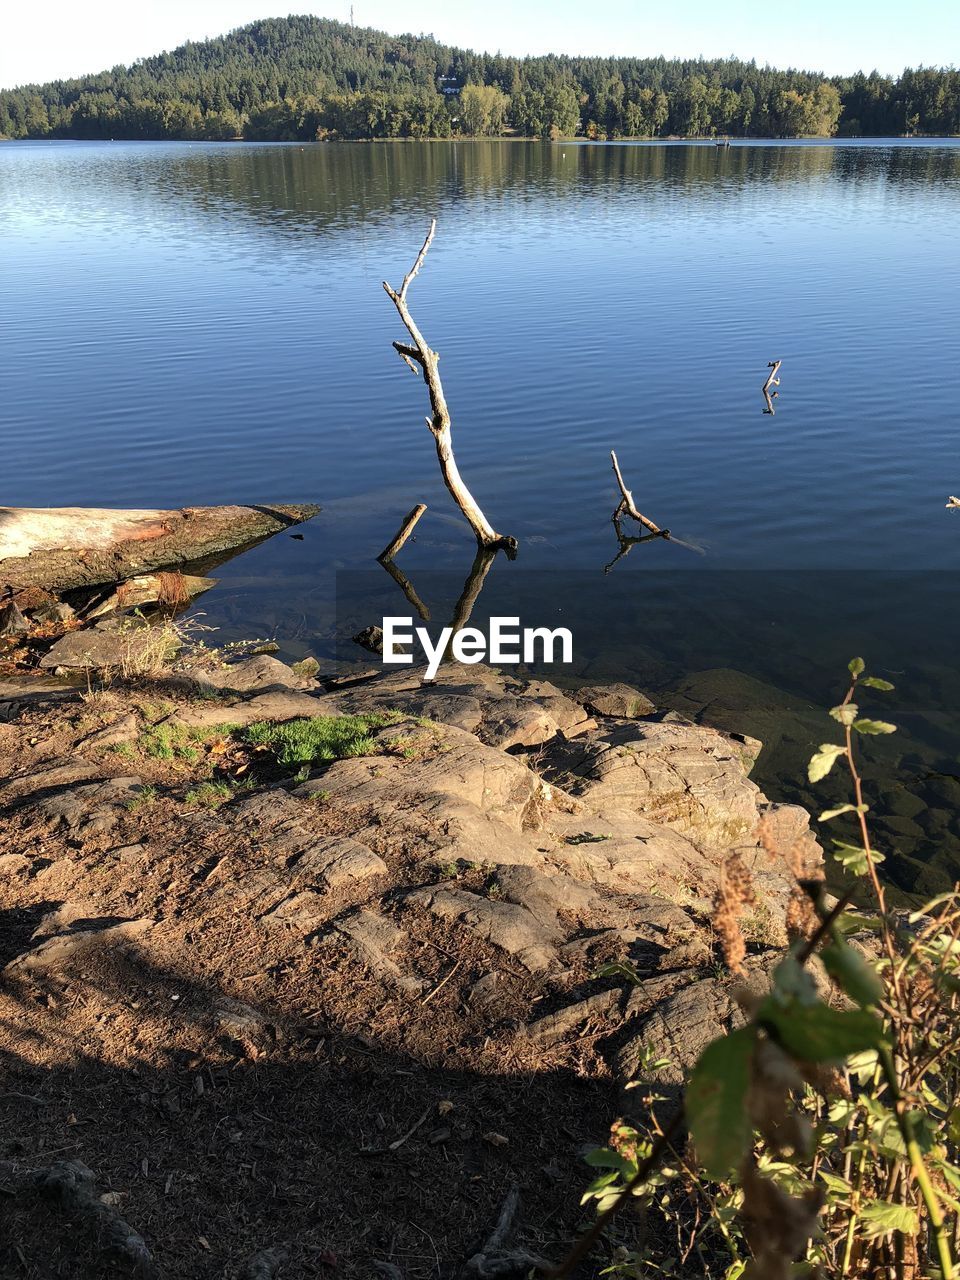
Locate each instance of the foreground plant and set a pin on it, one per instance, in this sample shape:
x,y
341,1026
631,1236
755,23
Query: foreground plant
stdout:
x,y
825,1129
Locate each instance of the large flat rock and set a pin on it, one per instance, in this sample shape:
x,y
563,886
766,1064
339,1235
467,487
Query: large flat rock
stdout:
x,y
679,775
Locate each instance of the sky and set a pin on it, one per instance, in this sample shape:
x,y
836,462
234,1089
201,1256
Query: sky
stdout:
x,y
63,38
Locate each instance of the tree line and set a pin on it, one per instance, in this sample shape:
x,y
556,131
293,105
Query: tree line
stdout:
x,y
303,78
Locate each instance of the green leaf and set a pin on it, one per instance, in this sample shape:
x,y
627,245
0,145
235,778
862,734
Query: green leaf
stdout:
x,y
716,1102
817,1033
846,713
607,1158
839,1187
821,763
843,808
880,1217
874,726
851,923
852,973
619,969
735,1270
854,857
856,666
874,682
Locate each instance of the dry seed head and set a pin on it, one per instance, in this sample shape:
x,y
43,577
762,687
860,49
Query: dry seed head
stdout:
x,y
734,893
801,918
623,1140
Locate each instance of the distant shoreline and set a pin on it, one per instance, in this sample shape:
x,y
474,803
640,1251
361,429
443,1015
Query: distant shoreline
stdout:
x,y
670,140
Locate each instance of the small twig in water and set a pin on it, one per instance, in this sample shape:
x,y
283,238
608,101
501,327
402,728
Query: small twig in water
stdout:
x,y
403,533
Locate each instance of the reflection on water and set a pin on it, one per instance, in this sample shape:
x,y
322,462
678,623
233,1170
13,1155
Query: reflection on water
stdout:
x,y
203,323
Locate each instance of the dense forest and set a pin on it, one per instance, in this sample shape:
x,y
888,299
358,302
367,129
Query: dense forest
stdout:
x,y
303,78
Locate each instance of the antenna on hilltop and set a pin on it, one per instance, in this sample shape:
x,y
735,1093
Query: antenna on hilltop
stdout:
x,y
352,23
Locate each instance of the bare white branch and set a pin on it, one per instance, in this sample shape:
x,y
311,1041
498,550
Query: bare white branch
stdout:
x,y
628,503
420,354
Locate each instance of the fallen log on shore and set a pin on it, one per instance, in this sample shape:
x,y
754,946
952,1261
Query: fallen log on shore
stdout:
x,y
64,548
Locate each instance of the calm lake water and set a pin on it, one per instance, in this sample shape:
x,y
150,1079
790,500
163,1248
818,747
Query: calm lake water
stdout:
x,y
191,324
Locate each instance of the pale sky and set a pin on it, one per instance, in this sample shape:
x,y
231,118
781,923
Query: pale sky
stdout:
x,y
63,38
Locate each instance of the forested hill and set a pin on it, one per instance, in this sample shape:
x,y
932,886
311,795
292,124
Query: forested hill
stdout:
x,y
306,78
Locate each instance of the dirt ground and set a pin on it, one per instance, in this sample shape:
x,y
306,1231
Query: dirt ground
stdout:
x,y
236,1089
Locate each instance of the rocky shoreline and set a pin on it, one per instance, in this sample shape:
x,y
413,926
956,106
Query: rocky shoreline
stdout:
x,y
264,1005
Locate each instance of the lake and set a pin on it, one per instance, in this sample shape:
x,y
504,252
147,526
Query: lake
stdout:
x,y
203,323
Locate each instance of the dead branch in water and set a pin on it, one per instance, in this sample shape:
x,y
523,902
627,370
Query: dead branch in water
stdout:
x,y
629,506
420,355
772,381
403,533
625,540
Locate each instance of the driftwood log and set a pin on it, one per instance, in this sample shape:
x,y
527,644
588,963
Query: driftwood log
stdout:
x,y
64,548
422,359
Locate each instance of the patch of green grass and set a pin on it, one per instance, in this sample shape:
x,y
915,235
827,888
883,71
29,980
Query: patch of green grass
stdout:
x,y
121,749
319,740
210,795
178,741
145,797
